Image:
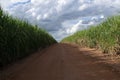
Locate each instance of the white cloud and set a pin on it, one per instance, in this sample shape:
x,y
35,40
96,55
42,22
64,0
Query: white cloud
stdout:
x,y
84,6
62,17
15,1
5,3
74,28
39,17
33,14
102,16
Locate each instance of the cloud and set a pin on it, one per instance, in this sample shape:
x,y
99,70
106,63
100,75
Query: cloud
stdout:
x,y
9,3
62,17
5,3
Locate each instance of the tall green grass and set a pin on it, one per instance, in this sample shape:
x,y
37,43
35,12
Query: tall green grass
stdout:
x,y
19,38
105,36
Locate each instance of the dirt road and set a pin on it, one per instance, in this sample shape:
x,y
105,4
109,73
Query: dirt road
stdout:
x,y
60,62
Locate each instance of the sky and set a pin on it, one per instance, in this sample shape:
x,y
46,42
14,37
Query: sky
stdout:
x,y
62,18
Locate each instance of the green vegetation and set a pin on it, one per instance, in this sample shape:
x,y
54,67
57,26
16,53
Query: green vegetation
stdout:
x,y
104,36
19,38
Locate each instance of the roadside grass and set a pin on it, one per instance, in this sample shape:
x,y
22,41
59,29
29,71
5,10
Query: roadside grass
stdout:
x,y
105,36
19,39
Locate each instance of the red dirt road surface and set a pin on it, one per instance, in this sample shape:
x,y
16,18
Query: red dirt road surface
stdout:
x,y
60,62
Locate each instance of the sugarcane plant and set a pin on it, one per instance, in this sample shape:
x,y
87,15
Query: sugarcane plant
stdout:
x,y
19,38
